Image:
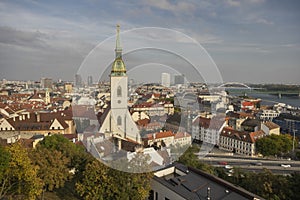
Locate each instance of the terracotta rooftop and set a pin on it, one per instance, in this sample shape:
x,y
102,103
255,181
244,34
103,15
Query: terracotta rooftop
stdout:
x,y
181,135
158,135
84,111
235,134
256,135
214,123
143,122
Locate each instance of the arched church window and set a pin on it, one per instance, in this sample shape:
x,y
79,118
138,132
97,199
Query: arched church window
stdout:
x,y
119,121
119,91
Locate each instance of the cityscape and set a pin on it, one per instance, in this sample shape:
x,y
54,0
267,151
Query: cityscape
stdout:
x,y
167,127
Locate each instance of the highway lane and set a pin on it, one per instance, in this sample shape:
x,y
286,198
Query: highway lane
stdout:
x,y
255,164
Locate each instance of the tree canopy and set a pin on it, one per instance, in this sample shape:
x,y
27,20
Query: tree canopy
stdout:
x,y
96,183
18,175
53,167
102,182
274,145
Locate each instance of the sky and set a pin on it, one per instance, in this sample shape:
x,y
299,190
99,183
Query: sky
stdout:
x,y
249,41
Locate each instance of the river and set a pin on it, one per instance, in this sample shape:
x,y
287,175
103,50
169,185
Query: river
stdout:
x,y
269,99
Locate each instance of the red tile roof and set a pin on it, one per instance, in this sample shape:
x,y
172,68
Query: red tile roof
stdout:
x,y
214,123
256,135
158,135
143,122
181,135
84,111
235,134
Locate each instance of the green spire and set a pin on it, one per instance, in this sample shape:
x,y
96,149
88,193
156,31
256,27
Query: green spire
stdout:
x,y
118,49
118,66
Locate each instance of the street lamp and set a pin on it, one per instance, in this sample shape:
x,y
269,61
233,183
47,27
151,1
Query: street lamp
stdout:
x,y
294,140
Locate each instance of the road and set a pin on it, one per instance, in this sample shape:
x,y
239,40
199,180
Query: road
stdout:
x,y
253,164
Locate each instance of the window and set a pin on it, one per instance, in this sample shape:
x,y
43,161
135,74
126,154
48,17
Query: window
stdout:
x,y
119,121
151,195
119,91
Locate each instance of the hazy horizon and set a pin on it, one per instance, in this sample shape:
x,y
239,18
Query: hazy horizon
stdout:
x,y
250,41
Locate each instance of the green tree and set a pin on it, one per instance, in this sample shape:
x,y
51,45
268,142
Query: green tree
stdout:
x,y
96,182
4,161
189,157
19,178
102,182
274,145
75,153
4,167
294,182
53,167
130,186
133,182
264,184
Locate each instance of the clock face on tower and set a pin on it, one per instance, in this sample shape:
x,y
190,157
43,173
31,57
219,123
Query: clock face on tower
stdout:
x,y
119,101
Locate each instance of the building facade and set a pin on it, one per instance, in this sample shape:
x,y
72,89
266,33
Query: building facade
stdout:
x,y
165,79
239,142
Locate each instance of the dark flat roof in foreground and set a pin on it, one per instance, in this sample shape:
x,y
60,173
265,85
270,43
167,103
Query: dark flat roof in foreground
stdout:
x,y
191,183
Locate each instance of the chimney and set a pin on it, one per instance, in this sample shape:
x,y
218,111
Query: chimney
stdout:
x,y
154,136
38,117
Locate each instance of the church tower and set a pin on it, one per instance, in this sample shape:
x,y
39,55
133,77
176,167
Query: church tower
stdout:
x,y
118,78
118,122
122,124
119,88
47,97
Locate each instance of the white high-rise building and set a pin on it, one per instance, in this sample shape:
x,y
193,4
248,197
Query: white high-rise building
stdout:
x,y
165,79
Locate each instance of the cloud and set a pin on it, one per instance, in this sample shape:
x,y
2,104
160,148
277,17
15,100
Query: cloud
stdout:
x,y
233,3
53,36
258,19
180,6
45,40
256,1
264,21
237,3
28,54
15,37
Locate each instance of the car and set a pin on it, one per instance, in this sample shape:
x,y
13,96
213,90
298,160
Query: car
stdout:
x,y
284,165
228,167
223,163
257,163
